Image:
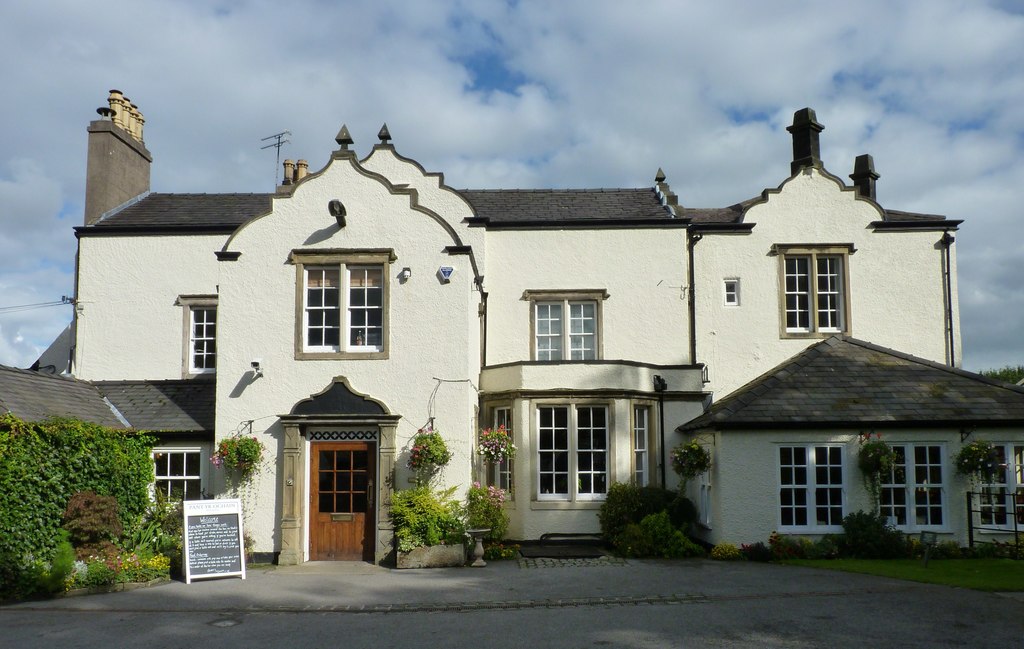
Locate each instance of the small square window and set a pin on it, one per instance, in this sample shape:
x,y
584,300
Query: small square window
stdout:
x,y
732,292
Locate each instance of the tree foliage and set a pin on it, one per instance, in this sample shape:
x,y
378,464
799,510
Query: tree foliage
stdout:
x,y
1009,374
42,465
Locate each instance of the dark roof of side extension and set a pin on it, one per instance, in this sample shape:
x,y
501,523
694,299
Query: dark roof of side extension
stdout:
x,y
845,382
163,406
34,396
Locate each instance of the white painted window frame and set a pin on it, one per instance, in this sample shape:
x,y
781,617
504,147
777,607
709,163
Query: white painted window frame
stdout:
x,y
200,451
731,291
573,451
810,488
995,511
814,288
912,483
641,445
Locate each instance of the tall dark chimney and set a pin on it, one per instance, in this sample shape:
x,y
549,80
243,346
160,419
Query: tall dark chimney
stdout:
x,y
118,163
806,150
864,176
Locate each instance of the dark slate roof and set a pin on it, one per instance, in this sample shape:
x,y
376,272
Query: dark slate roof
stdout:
x,y
226,211
35,396
843,381
163,406
541,206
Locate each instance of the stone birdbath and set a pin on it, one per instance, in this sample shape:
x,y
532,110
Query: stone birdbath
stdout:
x,y
478,546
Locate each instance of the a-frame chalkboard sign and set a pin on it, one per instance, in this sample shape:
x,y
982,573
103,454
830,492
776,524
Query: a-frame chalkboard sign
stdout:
x,y
214,540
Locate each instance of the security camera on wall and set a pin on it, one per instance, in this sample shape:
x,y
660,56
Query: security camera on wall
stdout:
x,y
257,366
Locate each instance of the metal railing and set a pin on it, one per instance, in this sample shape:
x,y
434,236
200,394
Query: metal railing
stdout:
x,y
999,514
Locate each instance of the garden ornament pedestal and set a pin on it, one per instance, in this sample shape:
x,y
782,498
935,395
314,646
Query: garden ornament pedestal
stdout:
x,y
478,546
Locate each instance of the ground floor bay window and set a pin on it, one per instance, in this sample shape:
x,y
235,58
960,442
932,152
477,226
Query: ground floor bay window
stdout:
x,y
572,452
811,488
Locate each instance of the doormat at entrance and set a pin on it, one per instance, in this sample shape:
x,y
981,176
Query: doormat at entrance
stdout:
x,y
561,551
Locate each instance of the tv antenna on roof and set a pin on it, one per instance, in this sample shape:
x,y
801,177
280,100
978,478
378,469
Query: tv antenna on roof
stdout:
x,y
278,142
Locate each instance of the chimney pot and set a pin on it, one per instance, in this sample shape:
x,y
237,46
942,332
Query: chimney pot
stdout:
x,y
864,176
289,172
806,147
301,170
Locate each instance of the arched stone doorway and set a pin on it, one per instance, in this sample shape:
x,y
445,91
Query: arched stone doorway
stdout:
x,y
336,478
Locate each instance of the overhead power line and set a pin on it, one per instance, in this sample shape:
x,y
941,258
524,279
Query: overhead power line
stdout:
x,y
17,308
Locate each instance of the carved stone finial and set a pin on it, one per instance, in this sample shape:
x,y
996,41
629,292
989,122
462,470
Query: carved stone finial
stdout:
x,y
660,176
343,138
384,134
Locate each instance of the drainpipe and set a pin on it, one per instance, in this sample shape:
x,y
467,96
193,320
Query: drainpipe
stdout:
x,y
660,385
691,241
947,242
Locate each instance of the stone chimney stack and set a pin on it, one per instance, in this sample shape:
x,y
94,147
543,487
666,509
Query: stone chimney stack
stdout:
x,y
806,149
118,161
864,176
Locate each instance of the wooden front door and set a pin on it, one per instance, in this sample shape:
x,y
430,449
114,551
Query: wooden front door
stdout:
x,y
342,501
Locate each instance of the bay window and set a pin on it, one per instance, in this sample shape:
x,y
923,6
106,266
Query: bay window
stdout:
x,y
572,452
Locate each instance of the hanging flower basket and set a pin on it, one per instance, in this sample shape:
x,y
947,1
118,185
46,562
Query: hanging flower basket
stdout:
x,y
428,454
978,459
875,461
241,453
496,445
689,460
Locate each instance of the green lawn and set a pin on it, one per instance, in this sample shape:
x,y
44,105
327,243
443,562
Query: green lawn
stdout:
x,y
977,574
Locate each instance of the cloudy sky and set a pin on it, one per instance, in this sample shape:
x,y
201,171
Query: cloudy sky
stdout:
x,y
503,94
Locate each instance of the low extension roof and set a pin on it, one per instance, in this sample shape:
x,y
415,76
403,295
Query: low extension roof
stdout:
x,y
845,382
34,396
164,406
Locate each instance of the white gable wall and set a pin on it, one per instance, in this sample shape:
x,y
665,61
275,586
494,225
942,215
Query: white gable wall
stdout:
x,y
896,290
432,329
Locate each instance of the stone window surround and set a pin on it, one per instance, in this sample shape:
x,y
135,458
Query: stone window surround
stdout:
x,y
842,250
188,303
566,296
340,257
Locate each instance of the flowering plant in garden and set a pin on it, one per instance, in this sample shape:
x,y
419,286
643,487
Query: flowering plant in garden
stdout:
x,y
243,453
484,510
689,460
496,445
978,459
429,453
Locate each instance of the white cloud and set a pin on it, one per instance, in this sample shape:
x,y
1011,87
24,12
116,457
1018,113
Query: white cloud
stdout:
x,y
595,93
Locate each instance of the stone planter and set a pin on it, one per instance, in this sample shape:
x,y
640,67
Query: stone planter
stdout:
x,y
434,556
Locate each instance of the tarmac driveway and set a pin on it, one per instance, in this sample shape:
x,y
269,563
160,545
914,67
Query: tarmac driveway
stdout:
x,y
529,603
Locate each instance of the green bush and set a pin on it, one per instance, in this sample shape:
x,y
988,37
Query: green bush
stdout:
x,y
61,567
41,466
867,536
422,517
655,536
682,512
627,504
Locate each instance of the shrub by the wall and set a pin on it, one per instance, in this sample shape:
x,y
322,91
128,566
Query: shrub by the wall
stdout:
x,y
41,466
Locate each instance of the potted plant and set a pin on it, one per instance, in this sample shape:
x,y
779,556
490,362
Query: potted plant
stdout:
x,y
485,518
241,453
429,528
978,460
496,445
875,461
428,454
689,460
